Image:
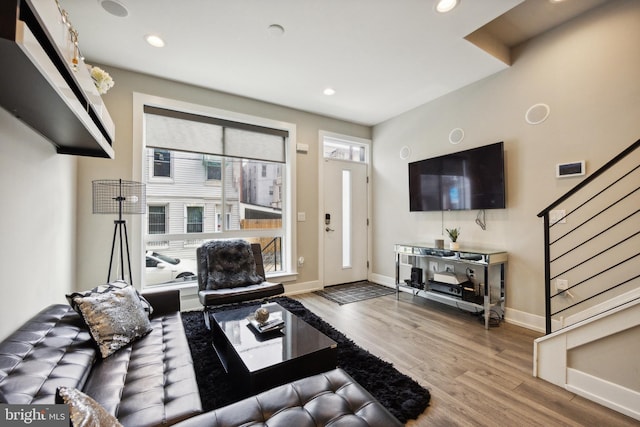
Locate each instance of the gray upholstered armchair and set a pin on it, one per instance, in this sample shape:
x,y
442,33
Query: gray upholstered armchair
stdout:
x,y
231,271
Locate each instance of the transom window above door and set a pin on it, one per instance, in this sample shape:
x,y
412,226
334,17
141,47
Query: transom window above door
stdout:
x,y
340,149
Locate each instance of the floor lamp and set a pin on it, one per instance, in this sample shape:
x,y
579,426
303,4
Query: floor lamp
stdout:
x,y
116,196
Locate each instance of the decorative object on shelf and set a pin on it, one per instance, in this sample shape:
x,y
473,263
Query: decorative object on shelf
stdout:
x,y
101,79
73,36
453,233
439,243
261,315
122,197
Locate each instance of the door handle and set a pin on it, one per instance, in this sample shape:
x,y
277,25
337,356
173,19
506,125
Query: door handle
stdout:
x,y
329,229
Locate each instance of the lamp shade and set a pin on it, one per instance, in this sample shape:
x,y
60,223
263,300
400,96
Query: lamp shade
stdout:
x,y
111,195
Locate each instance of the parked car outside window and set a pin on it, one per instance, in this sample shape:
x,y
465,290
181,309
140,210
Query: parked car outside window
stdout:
x,y
161,268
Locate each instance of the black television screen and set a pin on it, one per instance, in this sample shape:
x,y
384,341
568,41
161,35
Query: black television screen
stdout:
x,y
470,179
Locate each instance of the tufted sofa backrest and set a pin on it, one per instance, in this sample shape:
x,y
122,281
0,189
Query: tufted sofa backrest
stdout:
x,y
52,349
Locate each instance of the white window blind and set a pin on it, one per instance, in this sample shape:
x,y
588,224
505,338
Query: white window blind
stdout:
x,y
253,145
202,134
185,135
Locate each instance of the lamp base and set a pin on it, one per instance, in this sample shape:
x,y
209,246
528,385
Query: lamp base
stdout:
x,y
120,227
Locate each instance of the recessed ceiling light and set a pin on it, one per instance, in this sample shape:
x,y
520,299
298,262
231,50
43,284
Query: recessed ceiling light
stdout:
x,y
276,30
114,7
329,91
154,40
556,1
444,6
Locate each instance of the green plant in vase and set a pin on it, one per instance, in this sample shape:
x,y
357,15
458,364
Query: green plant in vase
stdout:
x,y
453,233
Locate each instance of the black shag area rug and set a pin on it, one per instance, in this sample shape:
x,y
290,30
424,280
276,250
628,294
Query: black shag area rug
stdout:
x,y
353,292
401,395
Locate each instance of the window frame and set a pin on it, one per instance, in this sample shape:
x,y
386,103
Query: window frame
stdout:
x,y
288,230
153,168
164,214
151,176
186,217
207,165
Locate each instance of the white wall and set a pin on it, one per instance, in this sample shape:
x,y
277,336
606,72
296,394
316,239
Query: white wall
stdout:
x,y
587,72
37,223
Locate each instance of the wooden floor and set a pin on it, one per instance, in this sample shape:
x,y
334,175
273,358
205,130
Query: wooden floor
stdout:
x,y
476,377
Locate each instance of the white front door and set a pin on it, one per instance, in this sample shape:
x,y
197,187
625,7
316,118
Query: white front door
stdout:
x,y
345,221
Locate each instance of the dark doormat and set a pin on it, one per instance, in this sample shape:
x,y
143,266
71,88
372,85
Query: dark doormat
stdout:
x,y
352,292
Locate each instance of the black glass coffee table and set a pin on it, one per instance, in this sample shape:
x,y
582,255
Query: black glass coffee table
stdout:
x,y
260,361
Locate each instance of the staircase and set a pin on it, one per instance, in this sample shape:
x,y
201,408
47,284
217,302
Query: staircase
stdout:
x,y
592,287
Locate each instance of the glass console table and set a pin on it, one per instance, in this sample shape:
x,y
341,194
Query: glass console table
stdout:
x,y
470,279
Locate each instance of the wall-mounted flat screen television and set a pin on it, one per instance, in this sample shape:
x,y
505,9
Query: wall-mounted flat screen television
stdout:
x,y
470,179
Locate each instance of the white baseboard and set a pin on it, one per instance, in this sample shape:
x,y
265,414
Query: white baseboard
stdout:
x,y
524,319
515,317
382,280
613,396
302,288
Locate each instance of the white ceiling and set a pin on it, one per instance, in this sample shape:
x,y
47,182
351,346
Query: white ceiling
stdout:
x,y
382,57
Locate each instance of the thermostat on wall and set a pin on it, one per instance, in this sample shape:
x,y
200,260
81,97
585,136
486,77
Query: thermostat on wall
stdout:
x,y
565,170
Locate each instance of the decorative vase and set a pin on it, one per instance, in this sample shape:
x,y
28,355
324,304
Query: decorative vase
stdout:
x,y
454,246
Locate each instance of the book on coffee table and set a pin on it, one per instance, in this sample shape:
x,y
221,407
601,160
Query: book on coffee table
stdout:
x,y
268,326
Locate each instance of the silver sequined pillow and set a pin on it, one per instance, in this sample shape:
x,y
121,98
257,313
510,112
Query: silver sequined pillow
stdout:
x,y
83,410
107,287
115,319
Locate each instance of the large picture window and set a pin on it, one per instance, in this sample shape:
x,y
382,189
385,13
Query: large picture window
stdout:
x,y
228,180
